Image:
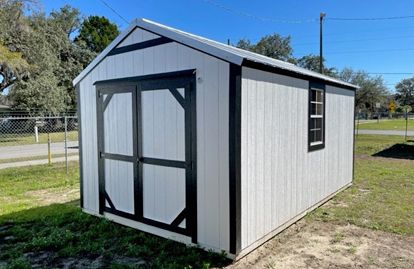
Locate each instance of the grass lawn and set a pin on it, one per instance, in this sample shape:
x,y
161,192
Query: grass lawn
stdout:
x,y
39,216
382,196
36,219
26,139
386,124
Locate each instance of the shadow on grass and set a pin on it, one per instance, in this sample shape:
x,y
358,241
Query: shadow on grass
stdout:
x,y
398,151
61,235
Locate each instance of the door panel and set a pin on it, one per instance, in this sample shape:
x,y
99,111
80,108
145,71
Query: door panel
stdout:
x,y
164,192
119,185
163,128
117,148
118,124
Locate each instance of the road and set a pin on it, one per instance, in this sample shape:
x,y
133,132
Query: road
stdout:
x,y
37,162
385,132
32,150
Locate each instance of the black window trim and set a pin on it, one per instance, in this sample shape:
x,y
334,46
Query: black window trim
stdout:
x,y
321,87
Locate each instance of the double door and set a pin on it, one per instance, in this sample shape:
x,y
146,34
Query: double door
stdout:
x,y
147,151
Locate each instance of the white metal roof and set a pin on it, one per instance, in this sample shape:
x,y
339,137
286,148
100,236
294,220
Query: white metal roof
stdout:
x,y
214,48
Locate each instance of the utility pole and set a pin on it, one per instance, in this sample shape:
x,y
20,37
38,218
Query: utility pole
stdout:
x,y
321,16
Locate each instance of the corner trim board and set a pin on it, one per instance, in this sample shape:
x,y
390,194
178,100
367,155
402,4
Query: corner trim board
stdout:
x,y
235,157
80,142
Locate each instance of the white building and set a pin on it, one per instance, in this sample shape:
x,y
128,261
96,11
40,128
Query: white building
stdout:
x,y
200,142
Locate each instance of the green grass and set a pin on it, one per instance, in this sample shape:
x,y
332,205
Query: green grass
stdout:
x,y
381,198
64,230
370,144
16,184
382,195
27,139
385,124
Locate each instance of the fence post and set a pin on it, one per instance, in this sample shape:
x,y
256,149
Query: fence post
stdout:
x,y
49,154
66,145
36,130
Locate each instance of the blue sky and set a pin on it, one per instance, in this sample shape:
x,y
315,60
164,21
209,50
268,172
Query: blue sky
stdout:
x,y
383,46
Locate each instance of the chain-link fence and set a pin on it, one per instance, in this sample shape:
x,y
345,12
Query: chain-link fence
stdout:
x,y
37,140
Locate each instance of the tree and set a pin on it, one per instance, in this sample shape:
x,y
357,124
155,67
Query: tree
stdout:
x,y
68,19
372,88
274,46
96,33
405,92
45,43
12,68
311,62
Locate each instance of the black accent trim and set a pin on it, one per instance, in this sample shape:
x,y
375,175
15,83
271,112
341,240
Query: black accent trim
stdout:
x,y
139,196
163,162
354,145
179,218
108,199
107,100
118,157
133,80
140,45
235,157
191,155
80,150
280,71
154,223
178,97
319,86
100,141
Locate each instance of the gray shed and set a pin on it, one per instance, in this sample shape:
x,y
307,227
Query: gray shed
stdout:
x,y
193,140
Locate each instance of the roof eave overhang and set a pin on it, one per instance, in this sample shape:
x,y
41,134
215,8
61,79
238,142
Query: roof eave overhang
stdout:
x,y
204,48
291,73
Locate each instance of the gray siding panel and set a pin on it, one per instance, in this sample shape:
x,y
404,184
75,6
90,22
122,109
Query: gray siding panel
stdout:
x,y
212,127
280,178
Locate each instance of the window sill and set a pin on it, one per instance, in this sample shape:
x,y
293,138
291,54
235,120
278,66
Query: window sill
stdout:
x,y
318,146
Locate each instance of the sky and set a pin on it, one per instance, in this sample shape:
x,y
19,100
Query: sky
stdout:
x,y
376,46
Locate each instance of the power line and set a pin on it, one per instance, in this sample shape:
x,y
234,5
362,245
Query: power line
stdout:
x,y
355,40
371,19
114,11
390,73
255,17
364,51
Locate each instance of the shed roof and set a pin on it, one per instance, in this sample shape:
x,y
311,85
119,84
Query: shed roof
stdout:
x,y
222,51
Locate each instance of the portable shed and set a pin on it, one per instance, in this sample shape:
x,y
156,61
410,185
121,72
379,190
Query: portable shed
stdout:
x,y
205,143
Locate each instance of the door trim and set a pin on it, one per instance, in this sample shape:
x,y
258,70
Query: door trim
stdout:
x,y
180,79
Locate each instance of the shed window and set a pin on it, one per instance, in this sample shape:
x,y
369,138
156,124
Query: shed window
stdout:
x,y
316,131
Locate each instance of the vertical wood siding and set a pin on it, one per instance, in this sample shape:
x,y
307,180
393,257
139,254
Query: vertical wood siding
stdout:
x,y
280,178
212,127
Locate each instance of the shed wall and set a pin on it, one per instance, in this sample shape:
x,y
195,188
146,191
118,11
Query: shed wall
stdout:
x,y
279,177
212,126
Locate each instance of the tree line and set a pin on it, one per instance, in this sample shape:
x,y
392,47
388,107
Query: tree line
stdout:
x,y
40,54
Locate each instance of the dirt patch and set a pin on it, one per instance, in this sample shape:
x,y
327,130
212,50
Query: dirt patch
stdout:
x,y
323,245
53,196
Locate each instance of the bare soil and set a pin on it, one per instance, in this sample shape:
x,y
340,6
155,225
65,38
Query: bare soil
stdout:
x,y
315,244
54,195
